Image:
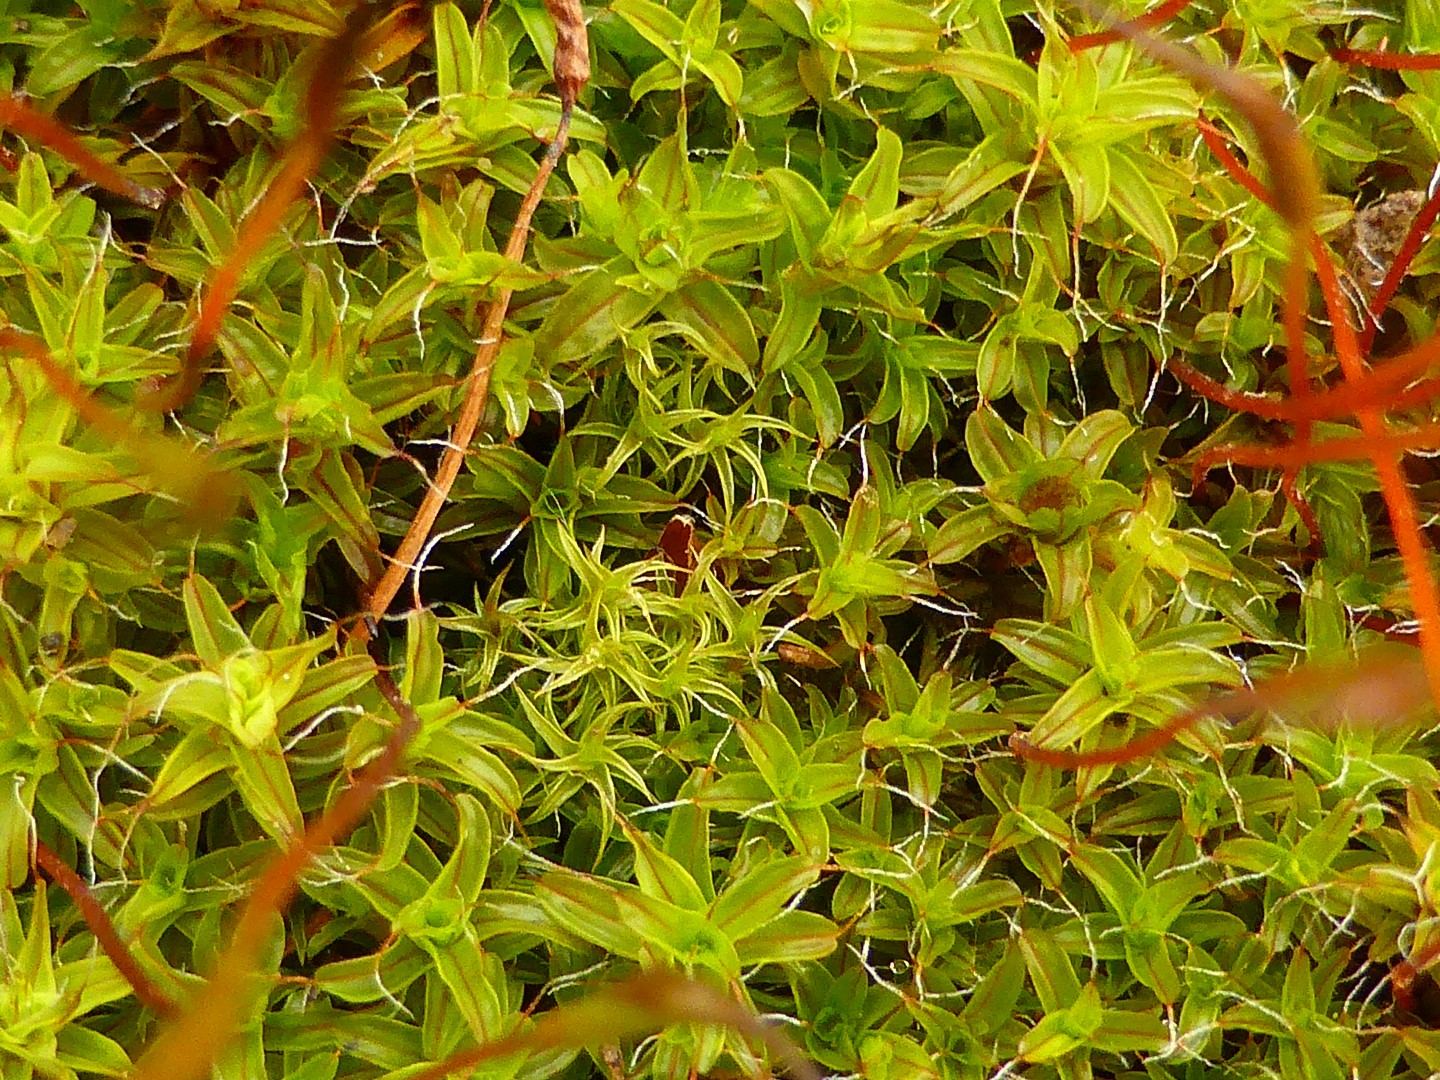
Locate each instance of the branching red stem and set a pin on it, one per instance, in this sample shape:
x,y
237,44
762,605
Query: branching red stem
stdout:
x,y
1404,522
1279,142
1294,455
1385,387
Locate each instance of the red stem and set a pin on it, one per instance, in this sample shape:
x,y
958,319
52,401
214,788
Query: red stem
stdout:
x,y
1293,455
1141,746
1388,61
1404,522
18,116
1215,140
1419,228
1290,485
1156,16
185,1049
98,920
333,65
1383,387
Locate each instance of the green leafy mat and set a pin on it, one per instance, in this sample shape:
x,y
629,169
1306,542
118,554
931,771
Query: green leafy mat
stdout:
x,y
878,299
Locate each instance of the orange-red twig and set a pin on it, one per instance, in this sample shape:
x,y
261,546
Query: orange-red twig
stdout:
x,y
205,491
1156,16
1380,689
186,1048
1384,387
1150,742
636,1006
98,920
333,66
404,561
1218,146
1295,277
1267,408
1388,61
1293,455
1289,164
1297,366
18,116
1404,523
572,70
95,415
1290,487
1395,273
